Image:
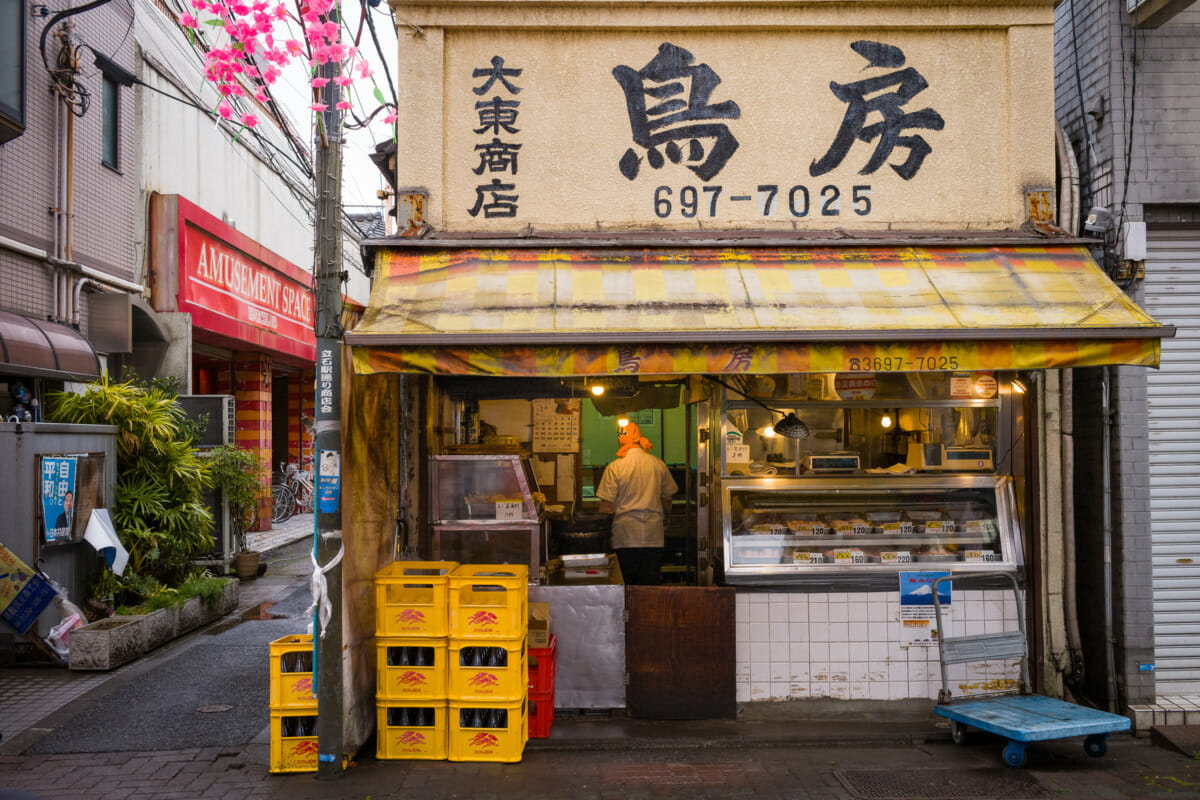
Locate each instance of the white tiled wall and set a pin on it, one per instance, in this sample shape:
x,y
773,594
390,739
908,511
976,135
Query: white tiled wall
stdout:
x,y
793,645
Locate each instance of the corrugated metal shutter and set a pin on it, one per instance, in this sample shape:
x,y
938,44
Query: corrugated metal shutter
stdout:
x,y
1172,296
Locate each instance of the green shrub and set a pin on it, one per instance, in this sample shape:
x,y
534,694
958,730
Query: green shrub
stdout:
x,y
240,476
158,508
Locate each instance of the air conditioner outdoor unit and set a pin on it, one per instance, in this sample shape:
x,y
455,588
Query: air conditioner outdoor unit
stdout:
x,y
220,429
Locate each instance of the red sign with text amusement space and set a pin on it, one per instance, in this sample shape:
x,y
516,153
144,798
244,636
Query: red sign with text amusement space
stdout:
x,y
235,287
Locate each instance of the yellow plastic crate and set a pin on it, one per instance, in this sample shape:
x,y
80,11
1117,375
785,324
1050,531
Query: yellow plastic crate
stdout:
x,y
410,598
488,731
488,669
292,674
411,730
293,742
410,669
489,601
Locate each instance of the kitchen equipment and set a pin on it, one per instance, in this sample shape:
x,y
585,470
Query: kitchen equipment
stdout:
x,y
832,462
968,459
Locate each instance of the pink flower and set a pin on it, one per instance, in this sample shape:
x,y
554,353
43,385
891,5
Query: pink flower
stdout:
x,y
318,107
225,110
188,21
319,83
345,105
389,119
249,120
342,80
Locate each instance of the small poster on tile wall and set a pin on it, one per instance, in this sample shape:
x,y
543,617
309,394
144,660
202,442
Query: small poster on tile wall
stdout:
x,y
918,620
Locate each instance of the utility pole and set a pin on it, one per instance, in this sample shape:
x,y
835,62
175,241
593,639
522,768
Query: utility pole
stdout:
x,y
327,283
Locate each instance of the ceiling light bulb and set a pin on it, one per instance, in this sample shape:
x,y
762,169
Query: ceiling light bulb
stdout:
x,y
886,421
768,432
1018,386
622,423
597,389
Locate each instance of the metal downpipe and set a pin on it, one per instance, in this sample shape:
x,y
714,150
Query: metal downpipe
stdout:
x,y
1106,479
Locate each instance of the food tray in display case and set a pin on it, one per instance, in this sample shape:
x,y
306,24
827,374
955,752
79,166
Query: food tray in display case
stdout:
x,y
826,525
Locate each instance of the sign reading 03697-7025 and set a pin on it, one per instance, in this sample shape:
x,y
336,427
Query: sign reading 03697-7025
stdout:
x,y
789,129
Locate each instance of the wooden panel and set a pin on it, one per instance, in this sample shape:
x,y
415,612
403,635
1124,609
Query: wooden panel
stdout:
x,y
679,652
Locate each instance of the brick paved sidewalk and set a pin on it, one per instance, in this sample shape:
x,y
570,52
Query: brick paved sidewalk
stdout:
x,y
1133,769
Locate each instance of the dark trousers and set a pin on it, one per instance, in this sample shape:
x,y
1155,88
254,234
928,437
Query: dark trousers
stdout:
x,y
641,566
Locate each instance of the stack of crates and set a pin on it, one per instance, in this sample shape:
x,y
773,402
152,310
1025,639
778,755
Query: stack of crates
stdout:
x,y
412,646
489,666
542,662
293,706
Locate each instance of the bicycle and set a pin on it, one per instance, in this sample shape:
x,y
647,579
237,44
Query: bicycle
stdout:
x,y
294,495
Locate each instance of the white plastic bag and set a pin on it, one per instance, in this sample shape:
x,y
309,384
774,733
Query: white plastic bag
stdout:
x,y
60,635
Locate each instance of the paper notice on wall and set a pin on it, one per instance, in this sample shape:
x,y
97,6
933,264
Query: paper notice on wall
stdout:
x,y
918,625
565,477
556,425
543,471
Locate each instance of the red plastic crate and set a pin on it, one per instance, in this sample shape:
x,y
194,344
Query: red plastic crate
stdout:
x,y
542,662
541,714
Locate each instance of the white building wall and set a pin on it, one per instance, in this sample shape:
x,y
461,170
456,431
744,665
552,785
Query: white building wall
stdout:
x,y
253,182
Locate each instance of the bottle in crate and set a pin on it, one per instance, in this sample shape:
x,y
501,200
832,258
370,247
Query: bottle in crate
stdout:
x,y
491,670
483,731
291,682
293,742
410,669
416,731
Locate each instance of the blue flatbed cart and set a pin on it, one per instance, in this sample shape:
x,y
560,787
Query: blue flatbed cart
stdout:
x,y
1021,718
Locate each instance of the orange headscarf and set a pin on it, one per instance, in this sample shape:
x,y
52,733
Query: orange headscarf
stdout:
x,y
630,438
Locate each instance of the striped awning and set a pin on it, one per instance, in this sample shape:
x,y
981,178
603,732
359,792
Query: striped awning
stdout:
x,y
594,311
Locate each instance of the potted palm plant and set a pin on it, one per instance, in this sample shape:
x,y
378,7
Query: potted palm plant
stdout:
x,y
239,475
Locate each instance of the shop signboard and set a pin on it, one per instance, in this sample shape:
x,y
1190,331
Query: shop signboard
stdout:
x,y
234,287
24,594
907,125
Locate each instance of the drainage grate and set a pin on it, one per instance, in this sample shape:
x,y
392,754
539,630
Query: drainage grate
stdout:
x,y
940,784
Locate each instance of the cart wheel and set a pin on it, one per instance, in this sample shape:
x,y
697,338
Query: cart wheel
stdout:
x,y
958,732
1014,754
1096,745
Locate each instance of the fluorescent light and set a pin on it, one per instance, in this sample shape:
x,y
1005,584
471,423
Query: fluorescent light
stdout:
x,y
1018,386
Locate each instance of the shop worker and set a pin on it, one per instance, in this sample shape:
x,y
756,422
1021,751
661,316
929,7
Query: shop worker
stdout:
x,y
636,489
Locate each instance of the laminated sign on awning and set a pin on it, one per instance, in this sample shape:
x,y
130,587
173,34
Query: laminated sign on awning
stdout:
x,y
552,312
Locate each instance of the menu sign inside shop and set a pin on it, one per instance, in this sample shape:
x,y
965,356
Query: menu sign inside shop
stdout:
x,y
235,294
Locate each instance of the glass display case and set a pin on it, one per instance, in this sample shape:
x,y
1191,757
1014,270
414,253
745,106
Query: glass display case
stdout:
x,y
484,511
864,525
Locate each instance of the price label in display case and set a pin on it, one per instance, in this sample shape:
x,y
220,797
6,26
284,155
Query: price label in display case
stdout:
x,y
849,557
510,510
979,556
896,557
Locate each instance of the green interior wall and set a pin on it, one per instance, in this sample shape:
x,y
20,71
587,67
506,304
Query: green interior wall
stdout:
x,y
664,428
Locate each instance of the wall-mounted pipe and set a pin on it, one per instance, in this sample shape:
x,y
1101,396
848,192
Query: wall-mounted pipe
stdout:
x,y
1106,516
79,284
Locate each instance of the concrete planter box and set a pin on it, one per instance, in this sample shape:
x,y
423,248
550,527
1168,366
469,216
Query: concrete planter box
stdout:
x,y
158,628
191,615
107,644
228,600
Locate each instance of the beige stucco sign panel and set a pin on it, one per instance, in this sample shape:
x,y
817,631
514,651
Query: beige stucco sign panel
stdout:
x,y
694,126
